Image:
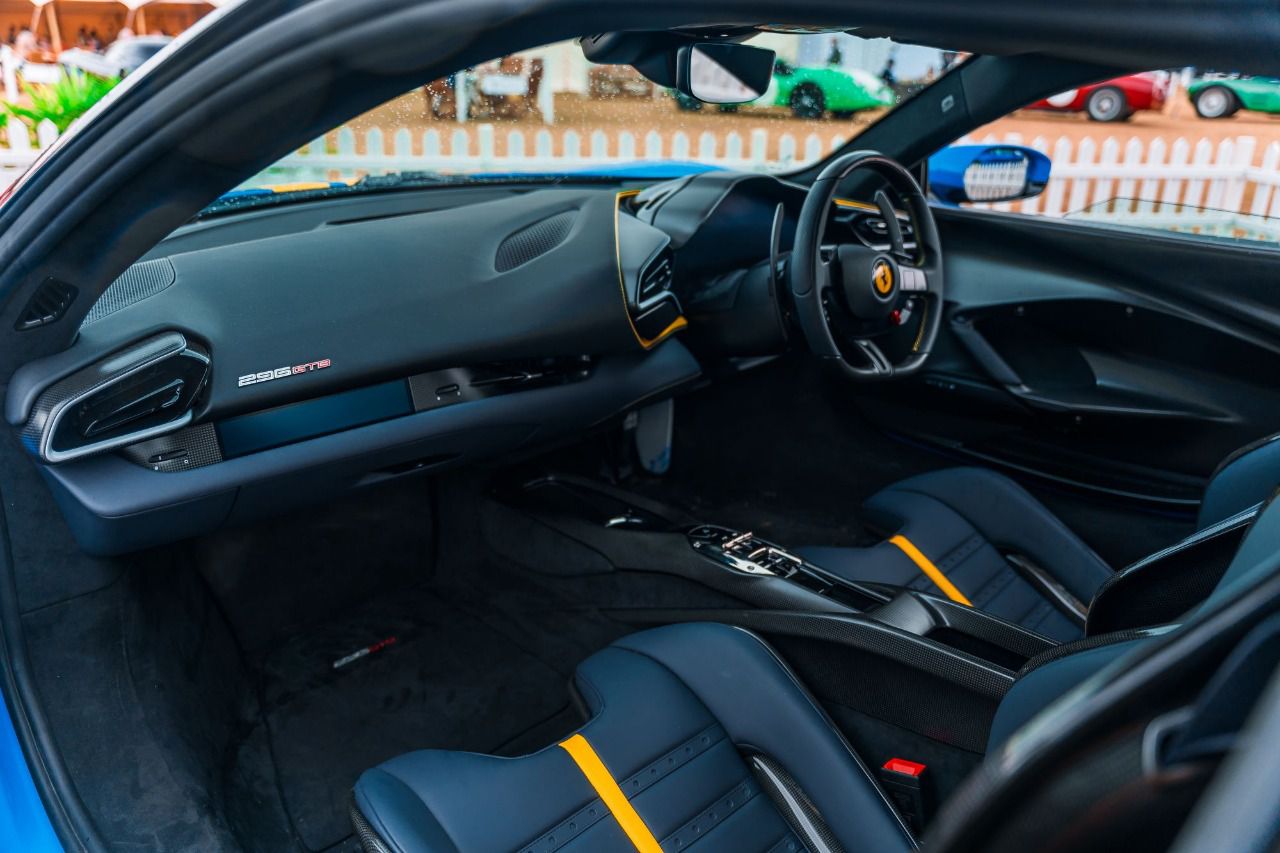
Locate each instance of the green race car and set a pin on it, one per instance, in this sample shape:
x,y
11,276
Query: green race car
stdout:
x,y
1221,97
812,92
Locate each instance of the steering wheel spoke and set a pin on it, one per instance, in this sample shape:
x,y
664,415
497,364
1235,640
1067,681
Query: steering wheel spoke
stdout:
x,y
879,363
891,226
842,295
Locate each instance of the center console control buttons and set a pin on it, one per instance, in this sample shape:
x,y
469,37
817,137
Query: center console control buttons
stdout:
x,y
743,551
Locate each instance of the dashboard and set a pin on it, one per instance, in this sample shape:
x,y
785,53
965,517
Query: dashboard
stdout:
x,y
270,358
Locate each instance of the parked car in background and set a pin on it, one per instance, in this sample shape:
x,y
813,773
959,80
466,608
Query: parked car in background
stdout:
x,y
813,92
1216,96
119,60
1111,100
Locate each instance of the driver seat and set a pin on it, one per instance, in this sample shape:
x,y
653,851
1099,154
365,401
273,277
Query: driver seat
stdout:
x,y
982,540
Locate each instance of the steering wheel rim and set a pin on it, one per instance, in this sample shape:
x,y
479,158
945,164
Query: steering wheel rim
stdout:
x,y
810,275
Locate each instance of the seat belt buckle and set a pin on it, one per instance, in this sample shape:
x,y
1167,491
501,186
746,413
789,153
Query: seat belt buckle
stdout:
x,y
907,786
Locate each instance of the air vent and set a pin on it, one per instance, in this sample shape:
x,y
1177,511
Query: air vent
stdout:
x,y
134,285
534,240
657,277
47,305
143,392
872,231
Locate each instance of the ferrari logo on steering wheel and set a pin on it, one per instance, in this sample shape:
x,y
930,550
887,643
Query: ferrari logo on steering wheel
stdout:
x,y
882,277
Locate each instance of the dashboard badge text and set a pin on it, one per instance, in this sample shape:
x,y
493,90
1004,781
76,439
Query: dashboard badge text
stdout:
x,y
282,372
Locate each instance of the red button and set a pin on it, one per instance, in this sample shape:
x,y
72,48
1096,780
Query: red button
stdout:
x,y
901,765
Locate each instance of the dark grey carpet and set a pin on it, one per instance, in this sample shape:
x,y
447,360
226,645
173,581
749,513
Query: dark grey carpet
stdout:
x,y
449,681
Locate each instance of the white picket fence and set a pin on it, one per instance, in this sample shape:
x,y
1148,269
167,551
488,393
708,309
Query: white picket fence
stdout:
x,y
1200,187
19,154
1197,186
478,152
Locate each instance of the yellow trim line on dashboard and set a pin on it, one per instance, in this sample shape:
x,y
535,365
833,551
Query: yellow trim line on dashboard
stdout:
x,y
931,571
677,324
584,755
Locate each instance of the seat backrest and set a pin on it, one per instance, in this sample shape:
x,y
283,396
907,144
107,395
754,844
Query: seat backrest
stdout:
x,y
1246,478
1075,662
1090,714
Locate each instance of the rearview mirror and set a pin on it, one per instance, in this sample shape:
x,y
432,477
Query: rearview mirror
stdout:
x,y
724,73
988,173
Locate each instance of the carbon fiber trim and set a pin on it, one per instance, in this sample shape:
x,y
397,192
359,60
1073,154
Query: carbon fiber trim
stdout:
x,y
42,425
1162,587
1096,641
854,631
795,806
136,284
192,447
369,840
981,625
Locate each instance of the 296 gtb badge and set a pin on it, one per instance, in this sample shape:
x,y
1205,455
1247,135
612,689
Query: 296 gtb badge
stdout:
x,y
282,372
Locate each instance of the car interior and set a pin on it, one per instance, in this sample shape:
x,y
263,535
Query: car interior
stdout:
x,y
728,511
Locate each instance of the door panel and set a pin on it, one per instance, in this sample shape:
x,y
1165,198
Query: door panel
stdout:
x,y
1119,361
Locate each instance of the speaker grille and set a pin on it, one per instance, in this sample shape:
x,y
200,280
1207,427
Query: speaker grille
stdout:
x,y
534,240
136,284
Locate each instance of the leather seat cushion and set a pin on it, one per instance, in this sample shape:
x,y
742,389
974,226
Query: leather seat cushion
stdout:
x,y
964,520
673,712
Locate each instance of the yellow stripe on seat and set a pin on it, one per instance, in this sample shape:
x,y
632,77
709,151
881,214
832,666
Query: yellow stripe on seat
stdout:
x,y
934,574
598,775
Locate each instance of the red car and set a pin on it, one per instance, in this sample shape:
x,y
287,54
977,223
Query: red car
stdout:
x,y
1112,100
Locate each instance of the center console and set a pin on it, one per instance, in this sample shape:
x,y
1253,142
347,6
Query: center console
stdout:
x,y
620,532
644,564
947,665
939,620
749,554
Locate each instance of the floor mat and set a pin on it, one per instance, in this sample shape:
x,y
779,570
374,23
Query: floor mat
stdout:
x,y
444,678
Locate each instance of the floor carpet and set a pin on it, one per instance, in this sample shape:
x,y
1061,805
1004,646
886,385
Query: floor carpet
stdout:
x,y
450,676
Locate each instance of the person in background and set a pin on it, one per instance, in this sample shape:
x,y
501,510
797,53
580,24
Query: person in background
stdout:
x,y
835,57
12,34
26,45
887,75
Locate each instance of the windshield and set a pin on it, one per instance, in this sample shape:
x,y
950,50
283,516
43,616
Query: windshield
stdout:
x,y
550,112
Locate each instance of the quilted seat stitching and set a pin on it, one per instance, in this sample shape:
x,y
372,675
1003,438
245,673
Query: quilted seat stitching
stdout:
x,y
594,811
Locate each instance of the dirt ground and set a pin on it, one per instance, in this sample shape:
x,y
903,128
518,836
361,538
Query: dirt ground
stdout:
x,y
640,115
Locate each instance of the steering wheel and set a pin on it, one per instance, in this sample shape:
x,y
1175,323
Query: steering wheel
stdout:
x,y
848,295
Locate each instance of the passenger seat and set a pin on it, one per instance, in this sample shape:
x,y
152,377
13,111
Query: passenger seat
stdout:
x,y
980,539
